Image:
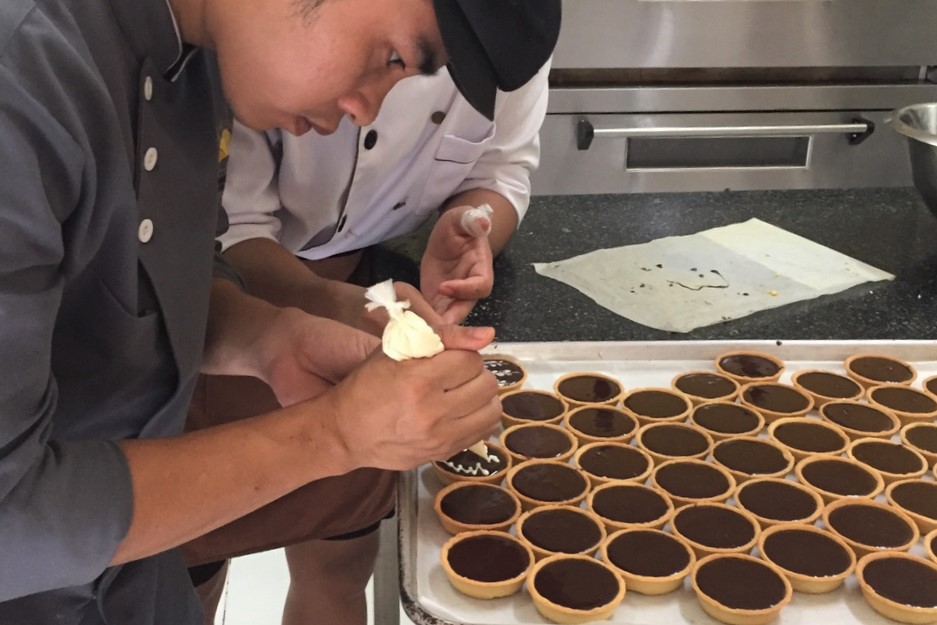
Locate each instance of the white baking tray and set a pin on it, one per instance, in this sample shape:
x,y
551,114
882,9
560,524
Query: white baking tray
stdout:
x,y
429,599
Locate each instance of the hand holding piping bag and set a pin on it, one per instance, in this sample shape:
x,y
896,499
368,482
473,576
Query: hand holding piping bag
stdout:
x,y
407,335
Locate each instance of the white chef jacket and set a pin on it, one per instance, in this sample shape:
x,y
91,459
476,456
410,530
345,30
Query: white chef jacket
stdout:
x,y
324,195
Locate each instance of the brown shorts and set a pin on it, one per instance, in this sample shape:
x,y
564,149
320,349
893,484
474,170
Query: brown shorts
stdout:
x,y
322,509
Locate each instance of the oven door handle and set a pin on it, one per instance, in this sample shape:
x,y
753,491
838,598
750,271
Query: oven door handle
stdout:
x,y
857,131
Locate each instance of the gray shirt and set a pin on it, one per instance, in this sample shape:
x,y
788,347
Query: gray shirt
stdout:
x,y
109,157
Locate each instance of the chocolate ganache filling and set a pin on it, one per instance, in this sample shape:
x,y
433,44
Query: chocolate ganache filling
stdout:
x,y
549,482
839,477
613,461
778,501
691,480
714,526
776,398
708,385
855,416
601,422
872,526
904,581
918,497
923,436
488,558
656,404
888,457
537,441
904,399
646,553
505,371
469,463
478,504
880,369
674,440
828,384
749,366
577,584
588,389
810,436
931,385
529,406
561,531
629,503
807,553
740,583
725,418
752,457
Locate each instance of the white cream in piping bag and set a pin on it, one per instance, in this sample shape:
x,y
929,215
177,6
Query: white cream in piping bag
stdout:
x,y
407,335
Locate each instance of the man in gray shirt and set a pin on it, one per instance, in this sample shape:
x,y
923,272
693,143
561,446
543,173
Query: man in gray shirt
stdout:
x,y
112,125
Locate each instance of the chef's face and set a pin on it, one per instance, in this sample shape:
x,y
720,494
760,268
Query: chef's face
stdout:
x,y
304,64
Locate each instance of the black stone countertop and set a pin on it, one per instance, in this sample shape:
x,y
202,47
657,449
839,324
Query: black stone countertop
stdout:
x,y
888,228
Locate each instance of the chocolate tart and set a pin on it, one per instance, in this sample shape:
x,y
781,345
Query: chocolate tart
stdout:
x,y
561,529
825,386
575,589
469,467
774,501
715,528
860,420
808,437
874,369
545,482
466,507
746,457
930,545
613,462
582,388
532,406
929,385
626,505
893,461
750,366
910,405
693,481
485,564
652,562
705,386
724,420
835,478
922,438
899,586
672,441
591,424
656,405
775,400
917,499
509,372
538,440
868,525
739,589
813,560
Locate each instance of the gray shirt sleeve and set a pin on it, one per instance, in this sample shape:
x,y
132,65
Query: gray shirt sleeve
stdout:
x,y
64,504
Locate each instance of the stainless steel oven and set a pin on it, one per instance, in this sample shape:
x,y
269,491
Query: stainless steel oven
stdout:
x,y
680,95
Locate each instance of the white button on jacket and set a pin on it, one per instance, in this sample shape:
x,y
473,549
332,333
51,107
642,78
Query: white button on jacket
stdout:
x,y
432,144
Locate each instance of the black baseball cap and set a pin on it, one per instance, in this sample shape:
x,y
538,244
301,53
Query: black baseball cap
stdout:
x,y
496,44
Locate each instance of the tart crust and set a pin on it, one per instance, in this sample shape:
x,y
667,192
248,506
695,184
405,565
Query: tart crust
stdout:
x,y
454,526
744,379
886,607
563,614
480,589
802,582
646,584
739,616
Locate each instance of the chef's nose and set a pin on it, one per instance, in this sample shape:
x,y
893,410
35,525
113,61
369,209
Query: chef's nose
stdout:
x,y
363,105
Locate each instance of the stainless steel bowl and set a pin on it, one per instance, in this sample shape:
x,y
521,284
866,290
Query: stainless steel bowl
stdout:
x,y
918,123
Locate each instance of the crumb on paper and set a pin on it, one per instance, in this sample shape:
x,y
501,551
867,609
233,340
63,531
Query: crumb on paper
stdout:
x,y
773,293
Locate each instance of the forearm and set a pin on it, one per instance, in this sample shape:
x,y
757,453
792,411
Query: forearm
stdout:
x,y
189,485
276,275
503,218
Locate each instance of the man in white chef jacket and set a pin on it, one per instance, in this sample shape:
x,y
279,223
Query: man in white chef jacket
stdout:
x,y
302,209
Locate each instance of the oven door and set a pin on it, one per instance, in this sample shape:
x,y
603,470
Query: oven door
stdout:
x,y
631,153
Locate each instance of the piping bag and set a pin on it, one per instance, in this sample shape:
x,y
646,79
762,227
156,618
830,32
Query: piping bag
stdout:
x,y
407,335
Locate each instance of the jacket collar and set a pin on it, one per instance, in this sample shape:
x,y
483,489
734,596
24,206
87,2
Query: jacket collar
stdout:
x,y
153,32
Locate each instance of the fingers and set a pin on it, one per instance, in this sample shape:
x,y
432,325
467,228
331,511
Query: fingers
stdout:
x,y
477,221
466,338
472,287
457,312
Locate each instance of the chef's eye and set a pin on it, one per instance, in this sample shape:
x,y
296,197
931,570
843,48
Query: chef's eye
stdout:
x,y
395,59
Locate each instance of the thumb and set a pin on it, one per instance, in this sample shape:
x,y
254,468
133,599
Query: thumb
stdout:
x,y
462,337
